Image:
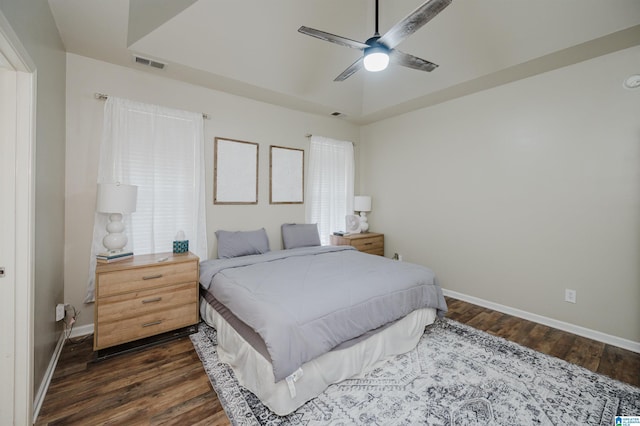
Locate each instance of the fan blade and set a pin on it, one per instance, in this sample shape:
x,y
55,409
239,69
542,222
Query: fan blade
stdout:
x,y
413,22
411,61
353,68
342,41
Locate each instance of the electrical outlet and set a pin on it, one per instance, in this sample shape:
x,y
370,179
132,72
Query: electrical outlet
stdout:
x,y
59,311
570,295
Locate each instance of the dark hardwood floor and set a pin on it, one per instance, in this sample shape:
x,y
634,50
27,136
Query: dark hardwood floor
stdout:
x,y
167,384
617,363
162,385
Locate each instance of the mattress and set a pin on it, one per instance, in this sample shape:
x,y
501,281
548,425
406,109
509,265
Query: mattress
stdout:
x,y
350,359
307,301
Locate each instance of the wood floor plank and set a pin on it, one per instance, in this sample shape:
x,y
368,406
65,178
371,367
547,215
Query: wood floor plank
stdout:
x,y
465,312
126,389
140,400
167,385
104,383
485,320
97,374
190,412
504,326
585,353
563,345
521,333
455,306
535,338
621,364
133,409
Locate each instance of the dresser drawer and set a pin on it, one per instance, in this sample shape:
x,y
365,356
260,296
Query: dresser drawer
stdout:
x,y
377,251
368,244
138,303
136,279
127,330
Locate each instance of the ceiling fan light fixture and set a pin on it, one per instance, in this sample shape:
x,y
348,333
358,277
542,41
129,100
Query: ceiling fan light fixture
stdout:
x,y
378,49
376,58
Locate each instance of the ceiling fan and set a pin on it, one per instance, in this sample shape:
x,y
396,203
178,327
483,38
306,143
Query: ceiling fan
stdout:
x,y
379,50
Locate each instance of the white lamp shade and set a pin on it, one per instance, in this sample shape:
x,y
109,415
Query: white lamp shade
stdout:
x,y
116,198
362,203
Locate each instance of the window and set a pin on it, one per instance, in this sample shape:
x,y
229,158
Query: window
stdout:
x,y
330,187
160,150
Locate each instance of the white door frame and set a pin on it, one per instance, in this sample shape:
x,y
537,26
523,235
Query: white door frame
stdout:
x,y
19,140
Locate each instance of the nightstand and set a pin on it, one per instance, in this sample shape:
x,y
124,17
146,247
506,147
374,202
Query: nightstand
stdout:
x,y
368,242
144,296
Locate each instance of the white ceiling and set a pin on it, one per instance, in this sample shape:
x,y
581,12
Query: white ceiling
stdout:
x,y
252,47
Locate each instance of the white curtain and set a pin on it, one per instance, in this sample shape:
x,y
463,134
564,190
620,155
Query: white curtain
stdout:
x,y
330,185
161,150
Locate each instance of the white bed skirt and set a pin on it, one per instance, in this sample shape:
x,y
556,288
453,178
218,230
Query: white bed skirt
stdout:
x,y
255,373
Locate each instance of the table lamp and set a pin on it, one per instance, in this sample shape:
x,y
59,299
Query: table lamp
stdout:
x,y
362,204
116,199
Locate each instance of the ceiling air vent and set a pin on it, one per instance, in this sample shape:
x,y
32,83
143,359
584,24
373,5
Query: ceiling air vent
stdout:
x,y
149,62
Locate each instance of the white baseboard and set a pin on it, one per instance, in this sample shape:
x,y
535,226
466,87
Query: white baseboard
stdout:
x,y
51,368
550,322
46,380
83,330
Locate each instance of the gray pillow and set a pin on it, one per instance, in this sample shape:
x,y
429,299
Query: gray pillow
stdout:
x,y
241,243
300,235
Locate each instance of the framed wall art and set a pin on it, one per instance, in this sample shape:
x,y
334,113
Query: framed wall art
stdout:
x,y
286,175
235,172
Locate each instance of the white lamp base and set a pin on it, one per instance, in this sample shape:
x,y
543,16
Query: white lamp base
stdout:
x,y
364,225
115,240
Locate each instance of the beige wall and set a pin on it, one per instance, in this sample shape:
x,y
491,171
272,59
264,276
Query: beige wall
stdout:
x,y
513,194
33,23
231,117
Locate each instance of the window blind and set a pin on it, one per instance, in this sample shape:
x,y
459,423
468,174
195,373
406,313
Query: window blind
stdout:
x,y
330,184
161,151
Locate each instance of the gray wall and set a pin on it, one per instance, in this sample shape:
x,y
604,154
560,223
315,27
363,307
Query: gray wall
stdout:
x,y
231,117
513,194
33,23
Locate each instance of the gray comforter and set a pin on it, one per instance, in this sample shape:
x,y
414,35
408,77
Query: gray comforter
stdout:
x,y
304,302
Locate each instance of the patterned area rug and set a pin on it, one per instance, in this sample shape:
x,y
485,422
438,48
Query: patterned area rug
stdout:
x,y
455,376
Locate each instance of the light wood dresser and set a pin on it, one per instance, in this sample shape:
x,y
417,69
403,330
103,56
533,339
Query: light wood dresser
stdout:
x,y
144,296
368,242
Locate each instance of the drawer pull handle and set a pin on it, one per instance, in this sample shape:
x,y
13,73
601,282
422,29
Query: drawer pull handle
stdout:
x,y
155,299
368,244
149,324
152,277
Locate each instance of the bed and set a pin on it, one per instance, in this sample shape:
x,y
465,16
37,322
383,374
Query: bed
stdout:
x,y
291,322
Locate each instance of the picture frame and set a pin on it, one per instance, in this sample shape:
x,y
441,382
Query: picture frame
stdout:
x,y
286,175
235,171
